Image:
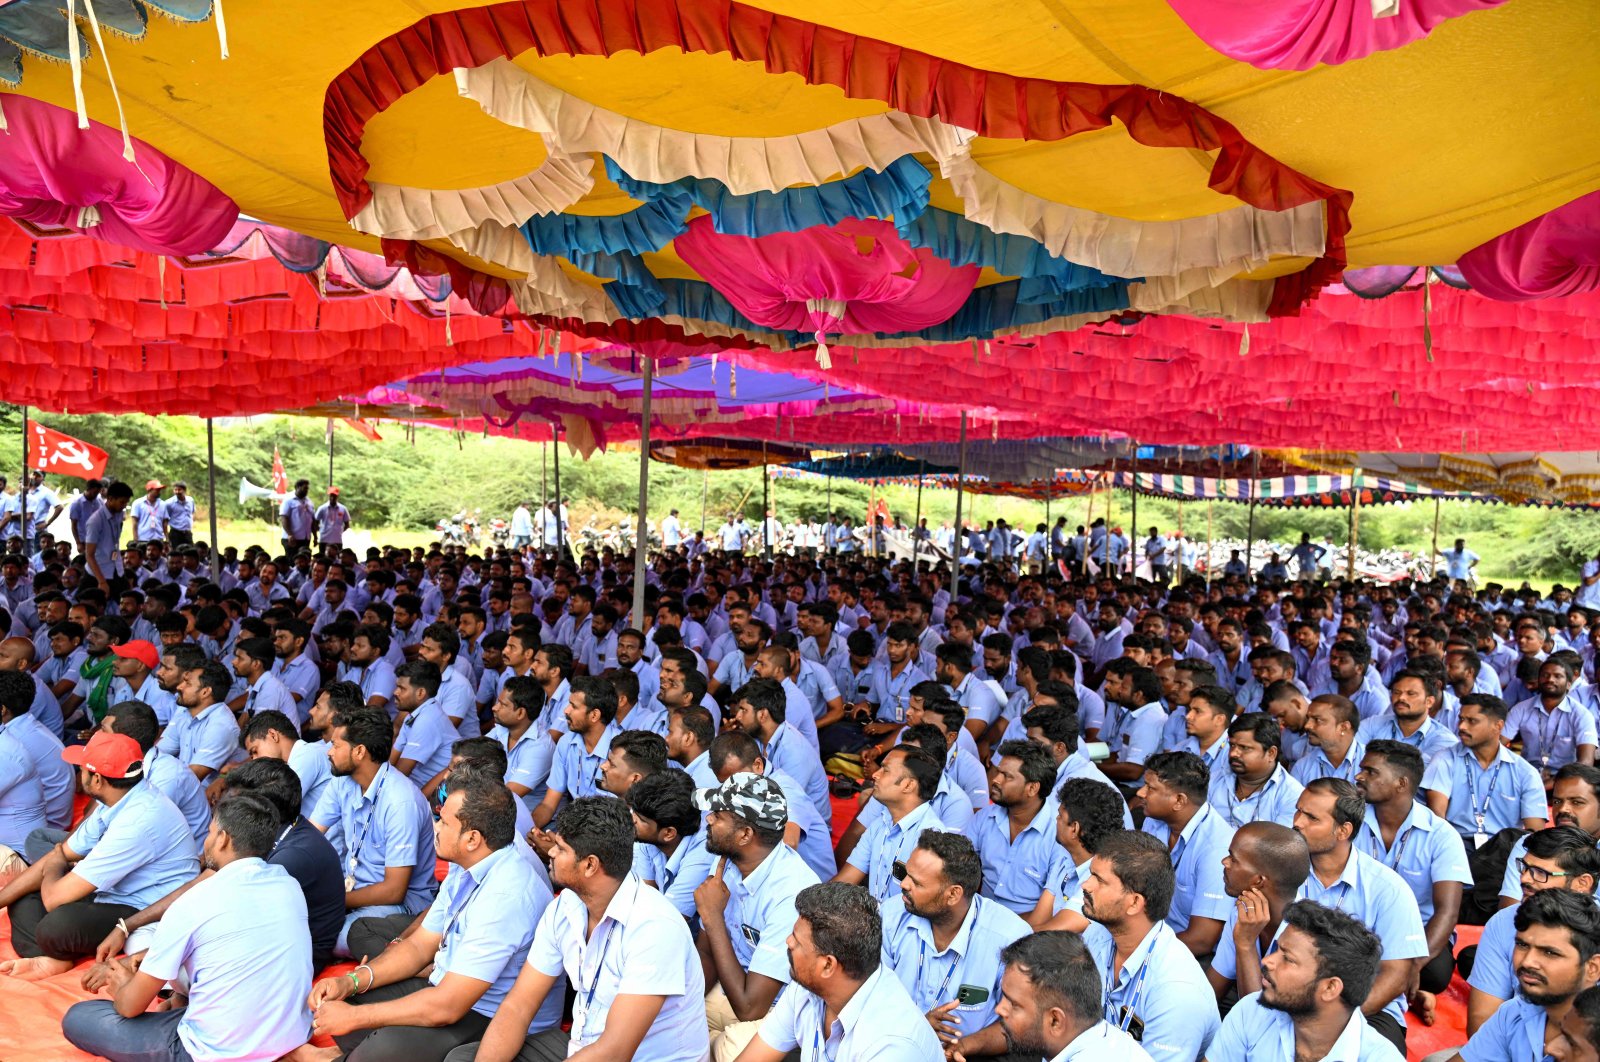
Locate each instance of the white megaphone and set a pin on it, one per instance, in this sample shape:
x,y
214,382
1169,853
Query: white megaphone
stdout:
x,y
249,491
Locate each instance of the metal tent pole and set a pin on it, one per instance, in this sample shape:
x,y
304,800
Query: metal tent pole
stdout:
x,y
766,502
641,542
330,452
211,500
22,513
1250,532
1355,525
1133,518
1209,506
961,485
555,448
1433,557
916,524
705,486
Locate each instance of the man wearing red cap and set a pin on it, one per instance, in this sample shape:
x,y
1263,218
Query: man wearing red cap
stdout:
x,y
133,849
135,661
333,520
149,515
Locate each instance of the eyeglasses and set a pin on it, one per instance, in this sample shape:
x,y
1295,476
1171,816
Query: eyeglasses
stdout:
x,y
1539,874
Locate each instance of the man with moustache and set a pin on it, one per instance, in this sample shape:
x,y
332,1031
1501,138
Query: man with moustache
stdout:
x,y
1265,866
1050,1003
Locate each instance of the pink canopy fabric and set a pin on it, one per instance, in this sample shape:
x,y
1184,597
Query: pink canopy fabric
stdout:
x,y
1300,34
1556,254
58,175
798,280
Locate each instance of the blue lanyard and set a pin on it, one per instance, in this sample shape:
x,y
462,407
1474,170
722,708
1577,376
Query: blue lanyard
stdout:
x,y
1392,861
1479,813
922,958
355,849
1135,994
594,982
1548,723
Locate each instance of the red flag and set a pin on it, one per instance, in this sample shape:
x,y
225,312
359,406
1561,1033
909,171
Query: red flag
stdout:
x,y
58,454
280,478
365,428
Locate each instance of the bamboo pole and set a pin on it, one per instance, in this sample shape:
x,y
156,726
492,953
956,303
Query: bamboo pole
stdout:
x,y
641,542
211,500
1355,526
1433,557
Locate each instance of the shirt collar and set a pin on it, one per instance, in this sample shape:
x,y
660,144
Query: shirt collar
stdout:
x,y
481,870
963,937
860,1003
1195,823
371,791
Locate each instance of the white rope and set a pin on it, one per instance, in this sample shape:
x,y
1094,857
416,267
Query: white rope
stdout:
x,y
222,29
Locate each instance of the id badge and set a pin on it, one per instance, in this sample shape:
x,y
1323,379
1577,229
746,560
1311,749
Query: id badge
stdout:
x,y
1479,840
349,883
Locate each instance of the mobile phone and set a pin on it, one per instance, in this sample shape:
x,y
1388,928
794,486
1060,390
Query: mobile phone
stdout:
x,y
1133,1024
971,995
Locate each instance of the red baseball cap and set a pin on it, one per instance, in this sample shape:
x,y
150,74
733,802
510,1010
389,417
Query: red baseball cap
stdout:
x,y
154,484
108,755
333,491
139,650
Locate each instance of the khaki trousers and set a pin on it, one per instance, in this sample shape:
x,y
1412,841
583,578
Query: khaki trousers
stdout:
x,y
729,1035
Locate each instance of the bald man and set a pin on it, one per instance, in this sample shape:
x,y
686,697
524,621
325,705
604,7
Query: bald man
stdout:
x,y
16,654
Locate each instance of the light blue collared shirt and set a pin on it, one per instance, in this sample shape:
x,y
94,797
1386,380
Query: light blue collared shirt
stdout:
x,y
240,936
425,737
268,693
1315,763
1077,765
1425,851
1014,870
527,763
389,824
1492,971
891,695
1138,733
641,947
1254,1031
677,875
159,700
22,807
1550,739
486,914
1197,860
207,740
137,850
1064,882
375,679
1430,739
788,751
309,761
1379,899
1514,1033
183,789
933,977
1273,802
575,771
879,1023
888,842
760,912
1162,985
1103,1043
56,776
816,838
457,698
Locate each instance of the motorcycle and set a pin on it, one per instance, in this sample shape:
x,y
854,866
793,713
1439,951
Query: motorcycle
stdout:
x,y
450,533
499,533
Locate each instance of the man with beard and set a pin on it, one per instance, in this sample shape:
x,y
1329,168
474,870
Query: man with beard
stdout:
x,y
904,784
1557,955
1413,699
591,711
237,940
91,690
835,962
378,820
1574,801
1050,1003
1087,812
205,734
1256,788
737,753
131,850
1176,812
298,519
642,999
1312,987
1349,666
1135,728
1015,834
1561,857
943,941
746,906
761,710
1555,729
1153,987
437,987
1265,866
1328,815
367,668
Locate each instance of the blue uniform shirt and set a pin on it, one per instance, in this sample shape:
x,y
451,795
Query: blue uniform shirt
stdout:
x,y
527,763
1197,860
816,837
1550,739
1379,899
207,740
1426,850
486,914
389,824
1514,1033
1430,739
888,842
1064,882
760,912
136,850
425,738
788,751
1253,1031
640,947
1492,971
890,694
1162,985
679,874
309,761
879,1023
575,771
183,789
1273,802
56,776
22,808
1315,764
240,937
933,977
1138,734
1014,870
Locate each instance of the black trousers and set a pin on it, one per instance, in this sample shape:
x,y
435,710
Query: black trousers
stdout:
x,y
1387,1027
369,936
72,931
1437,971
180,538
547,1046
408,1043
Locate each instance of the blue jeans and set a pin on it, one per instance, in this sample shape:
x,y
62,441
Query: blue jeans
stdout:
x,y
95,1026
